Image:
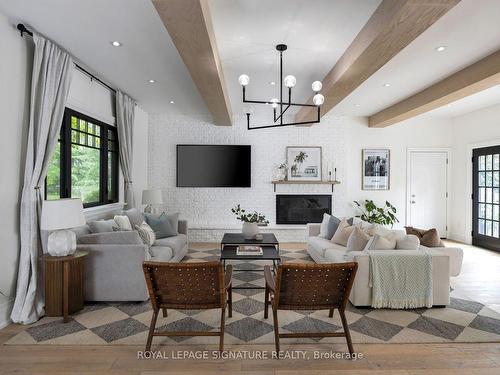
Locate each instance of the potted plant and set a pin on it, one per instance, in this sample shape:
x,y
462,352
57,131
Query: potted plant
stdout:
x,y
251,221
385,215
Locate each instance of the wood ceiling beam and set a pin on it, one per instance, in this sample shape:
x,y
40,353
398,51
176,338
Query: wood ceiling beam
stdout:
x,y
476,77
189,24
392,27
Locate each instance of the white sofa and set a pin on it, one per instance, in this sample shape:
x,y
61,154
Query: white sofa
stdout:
x,y
446,262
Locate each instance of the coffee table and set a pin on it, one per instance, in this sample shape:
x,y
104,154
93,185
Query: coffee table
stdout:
x,y
270,249
239,239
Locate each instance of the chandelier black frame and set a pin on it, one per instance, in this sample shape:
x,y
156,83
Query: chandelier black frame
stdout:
x,y
318,98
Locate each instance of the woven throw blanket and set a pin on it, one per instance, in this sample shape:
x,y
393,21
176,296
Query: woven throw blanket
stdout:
x,y
401,279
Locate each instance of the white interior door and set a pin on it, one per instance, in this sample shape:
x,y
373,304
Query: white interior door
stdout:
x,y
428,190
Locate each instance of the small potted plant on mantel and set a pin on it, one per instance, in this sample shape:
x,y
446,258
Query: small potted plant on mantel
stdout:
x,y
251,221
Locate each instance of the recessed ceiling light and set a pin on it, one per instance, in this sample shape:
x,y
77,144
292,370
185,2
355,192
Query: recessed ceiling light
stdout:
x,y
357,105
172,102
116,43
151,81
440,48
387,84
272,83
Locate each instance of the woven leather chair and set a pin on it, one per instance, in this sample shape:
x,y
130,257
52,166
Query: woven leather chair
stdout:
x,y
310,287
188,286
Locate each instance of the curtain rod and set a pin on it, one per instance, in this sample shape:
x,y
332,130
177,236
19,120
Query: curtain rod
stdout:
x,y
24,30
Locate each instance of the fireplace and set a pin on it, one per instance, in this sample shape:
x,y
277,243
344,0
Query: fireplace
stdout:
x,y
302,209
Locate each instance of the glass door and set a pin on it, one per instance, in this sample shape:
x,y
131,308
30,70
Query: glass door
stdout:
x,y
485,198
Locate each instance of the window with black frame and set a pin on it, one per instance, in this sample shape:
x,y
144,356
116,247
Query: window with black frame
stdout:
x,y
85,162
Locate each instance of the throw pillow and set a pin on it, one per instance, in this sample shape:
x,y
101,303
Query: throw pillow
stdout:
x,y
163,225
377,229
408,242
431,239
135,216
342,233
101,226
361,223
381,243
328,226
122,222
428,238
357,240
146,233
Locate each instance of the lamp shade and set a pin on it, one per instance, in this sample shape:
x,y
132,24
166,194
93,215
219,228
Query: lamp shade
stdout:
x,y
152,196
62,214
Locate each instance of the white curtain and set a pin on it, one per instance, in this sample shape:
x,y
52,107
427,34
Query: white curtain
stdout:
x,y
51,79
125,107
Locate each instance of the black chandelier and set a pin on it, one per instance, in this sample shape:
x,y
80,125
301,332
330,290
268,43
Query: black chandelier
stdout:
x,y
289,82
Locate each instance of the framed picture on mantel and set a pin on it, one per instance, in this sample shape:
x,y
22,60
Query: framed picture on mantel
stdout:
x,y
304,163
376,169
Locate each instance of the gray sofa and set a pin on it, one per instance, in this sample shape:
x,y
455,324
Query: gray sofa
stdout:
x,y
113,268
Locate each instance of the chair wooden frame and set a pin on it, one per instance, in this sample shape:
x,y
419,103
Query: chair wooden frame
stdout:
x,y
305,281
186,286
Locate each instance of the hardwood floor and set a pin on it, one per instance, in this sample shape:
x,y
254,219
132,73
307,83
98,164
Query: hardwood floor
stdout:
x,y
480,280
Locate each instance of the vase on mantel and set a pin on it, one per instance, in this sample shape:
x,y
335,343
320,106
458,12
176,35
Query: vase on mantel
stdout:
x,y
249,230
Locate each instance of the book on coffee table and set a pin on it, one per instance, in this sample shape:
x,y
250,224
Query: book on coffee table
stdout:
x,y
249,250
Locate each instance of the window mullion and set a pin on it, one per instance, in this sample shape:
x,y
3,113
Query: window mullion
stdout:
x,y
66,157
104,164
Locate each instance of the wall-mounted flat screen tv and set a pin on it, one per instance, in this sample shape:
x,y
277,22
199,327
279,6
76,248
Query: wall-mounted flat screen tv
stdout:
x,y
213,166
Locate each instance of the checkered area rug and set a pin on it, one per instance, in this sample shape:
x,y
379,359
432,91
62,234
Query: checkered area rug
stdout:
x,y
127,323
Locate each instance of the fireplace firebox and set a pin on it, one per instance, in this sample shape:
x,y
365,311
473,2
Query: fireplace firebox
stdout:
x,y
302,209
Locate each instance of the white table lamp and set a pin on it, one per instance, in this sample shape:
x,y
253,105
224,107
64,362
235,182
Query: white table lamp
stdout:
x,y
58,216
151,197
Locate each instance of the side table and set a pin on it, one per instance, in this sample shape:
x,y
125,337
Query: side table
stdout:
x,y
64,284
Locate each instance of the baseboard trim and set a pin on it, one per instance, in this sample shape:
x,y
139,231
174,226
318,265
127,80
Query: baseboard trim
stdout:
x,y
5,310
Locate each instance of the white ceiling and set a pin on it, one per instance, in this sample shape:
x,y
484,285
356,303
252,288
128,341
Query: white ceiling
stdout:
x,y
86,27
317,32
470,31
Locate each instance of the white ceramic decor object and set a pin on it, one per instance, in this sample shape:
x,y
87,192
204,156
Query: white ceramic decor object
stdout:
x,y
61,243
249,230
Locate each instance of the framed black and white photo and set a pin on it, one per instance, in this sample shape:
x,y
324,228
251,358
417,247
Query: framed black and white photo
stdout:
x,y
304,163
376,169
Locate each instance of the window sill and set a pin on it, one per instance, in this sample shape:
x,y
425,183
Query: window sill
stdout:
x,y
102,212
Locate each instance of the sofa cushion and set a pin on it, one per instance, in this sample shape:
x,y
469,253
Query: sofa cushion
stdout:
x,y
175,242
343,232
161,253
357,240
408,242
320,244
382,243
163,224
123,222
135,216
335,255
428,238
328,227
111,238
101,226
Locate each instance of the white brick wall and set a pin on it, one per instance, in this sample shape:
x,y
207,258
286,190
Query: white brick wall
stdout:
x,y
208,210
